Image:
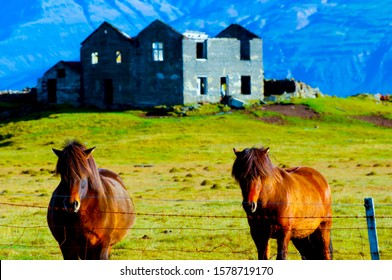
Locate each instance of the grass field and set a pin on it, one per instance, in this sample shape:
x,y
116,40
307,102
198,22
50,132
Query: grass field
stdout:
x,y
178,172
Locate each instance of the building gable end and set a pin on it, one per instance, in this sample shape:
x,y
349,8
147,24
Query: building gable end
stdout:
x,y
159,25
238,32
104,26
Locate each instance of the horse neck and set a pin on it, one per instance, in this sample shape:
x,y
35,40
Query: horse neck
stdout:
x,y
271,186
97,185
94,180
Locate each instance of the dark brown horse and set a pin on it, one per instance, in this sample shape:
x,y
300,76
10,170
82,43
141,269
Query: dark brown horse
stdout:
x,y
90,210
292,204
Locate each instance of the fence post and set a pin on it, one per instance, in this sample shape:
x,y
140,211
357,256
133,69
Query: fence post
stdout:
x,y
372,229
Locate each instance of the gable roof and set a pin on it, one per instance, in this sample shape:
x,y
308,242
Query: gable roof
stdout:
x,y
75,66
238,32
159,25
105,24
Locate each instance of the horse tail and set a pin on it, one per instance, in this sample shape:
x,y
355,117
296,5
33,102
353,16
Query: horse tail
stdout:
x,y
330,248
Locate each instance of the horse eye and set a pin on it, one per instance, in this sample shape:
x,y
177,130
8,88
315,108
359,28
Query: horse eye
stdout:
x,y
83,184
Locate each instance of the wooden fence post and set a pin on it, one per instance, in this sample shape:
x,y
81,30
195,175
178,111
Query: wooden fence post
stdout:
x,y
372,229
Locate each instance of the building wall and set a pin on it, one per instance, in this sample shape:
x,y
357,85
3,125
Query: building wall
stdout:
x,y
158,82
223,61
60,84
107,83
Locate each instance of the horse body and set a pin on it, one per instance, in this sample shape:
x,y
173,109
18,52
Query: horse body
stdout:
x,y
90,210
292,204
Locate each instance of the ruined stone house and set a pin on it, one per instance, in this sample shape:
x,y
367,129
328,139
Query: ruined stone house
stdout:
x,y
159,66
279,90
60,84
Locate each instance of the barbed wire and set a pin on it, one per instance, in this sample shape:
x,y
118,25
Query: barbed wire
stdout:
x,y
183,228
379,204
192,215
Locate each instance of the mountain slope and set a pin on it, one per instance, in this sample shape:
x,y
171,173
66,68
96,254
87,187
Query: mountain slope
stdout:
x,y
343,47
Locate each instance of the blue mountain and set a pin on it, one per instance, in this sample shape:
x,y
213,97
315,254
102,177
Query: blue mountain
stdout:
x,y
343,47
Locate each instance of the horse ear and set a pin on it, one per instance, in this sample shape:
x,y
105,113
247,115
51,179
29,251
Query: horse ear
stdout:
x,y
266,150
236,152
89,151
58,153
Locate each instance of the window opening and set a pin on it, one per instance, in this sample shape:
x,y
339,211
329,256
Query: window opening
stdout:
x,y
245,50
94,58
245,85
157,51
201,50
60,73
118,57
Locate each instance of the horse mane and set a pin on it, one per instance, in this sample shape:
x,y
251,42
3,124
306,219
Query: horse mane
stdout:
x,y
73,164
253,163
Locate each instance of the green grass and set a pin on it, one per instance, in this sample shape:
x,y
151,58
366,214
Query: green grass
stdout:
x,y
177,170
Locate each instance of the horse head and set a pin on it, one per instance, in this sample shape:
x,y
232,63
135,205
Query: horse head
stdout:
x,y
74,166
250,168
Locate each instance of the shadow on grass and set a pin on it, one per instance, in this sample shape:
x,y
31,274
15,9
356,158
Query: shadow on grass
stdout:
x,y
16,112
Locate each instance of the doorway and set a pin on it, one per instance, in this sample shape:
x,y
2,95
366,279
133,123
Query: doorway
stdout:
x,y
52,90
224,86
108,91
245,85
202,85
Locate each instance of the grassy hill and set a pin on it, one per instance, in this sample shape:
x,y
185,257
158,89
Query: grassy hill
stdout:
x,y
176,164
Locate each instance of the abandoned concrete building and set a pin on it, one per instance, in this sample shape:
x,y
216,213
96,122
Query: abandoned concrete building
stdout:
x,y
159,66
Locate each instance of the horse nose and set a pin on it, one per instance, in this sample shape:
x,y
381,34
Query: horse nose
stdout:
x,y
250,207
76,206
71,206
253,206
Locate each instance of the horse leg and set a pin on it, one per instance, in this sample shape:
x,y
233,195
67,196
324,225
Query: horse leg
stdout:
x,y
97,253
325,236
304,247
317,246
311,247
100,252
260,237
283,244
330,249
104,254
69,252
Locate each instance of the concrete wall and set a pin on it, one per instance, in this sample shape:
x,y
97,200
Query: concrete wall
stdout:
x,y
223,60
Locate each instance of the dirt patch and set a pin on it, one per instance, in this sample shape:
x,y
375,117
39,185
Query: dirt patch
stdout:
x,y
273,120
292,110
377,120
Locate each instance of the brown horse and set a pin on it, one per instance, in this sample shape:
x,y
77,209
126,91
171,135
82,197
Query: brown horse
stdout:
x,y
90,210
292,204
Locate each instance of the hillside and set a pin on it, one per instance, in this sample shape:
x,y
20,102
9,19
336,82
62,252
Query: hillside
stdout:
x,y
176,164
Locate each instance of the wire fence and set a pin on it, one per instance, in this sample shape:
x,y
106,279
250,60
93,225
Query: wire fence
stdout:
x,y
179,231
